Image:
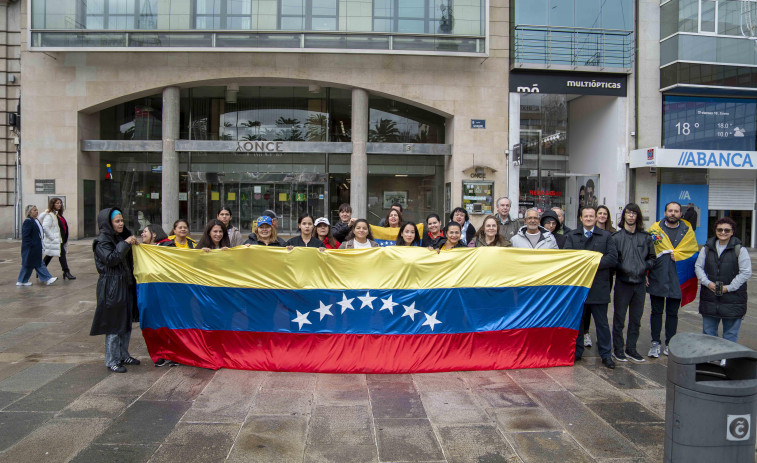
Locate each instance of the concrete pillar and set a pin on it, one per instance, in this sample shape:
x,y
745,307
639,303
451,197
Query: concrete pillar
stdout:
x,y
170,163
359,159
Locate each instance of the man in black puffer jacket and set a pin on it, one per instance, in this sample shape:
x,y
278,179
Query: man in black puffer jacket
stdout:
x,y
636,256
723,260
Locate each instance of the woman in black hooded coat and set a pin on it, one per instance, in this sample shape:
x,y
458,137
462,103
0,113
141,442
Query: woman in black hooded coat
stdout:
x,y
116,289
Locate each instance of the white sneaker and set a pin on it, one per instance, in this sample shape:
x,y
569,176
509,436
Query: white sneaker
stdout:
x,y
51,281
587,340
28,283
722,363
654,351
666,351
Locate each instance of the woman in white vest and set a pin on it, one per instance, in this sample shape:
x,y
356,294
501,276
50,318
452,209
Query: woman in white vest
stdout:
x,y
51,241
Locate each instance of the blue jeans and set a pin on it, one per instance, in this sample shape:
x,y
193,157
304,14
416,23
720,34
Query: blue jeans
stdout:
x,y
730,327
26,273
116,348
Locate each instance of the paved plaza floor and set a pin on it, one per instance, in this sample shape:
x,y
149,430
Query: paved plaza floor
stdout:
x,y
58,402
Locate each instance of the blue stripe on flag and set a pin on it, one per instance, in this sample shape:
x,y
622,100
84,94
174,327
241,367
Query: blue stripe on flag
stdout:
x,y
389,311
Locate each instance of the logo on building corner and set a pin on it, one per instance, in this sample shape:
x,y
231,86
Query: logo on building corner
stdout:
x,y
533,89
739,427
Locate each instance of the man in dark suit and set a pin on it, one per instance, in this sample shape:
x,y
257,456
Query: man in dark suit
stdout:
x,y
591,238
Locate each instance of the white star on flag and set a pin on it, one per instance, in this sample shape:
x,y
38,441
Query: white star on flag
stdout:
x,y
367,300
431,320
346,303
302,319
324,310
410,311
388,305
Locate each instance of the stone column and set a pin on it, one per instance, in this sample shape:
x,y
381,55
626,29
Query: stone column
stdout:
x,y
359,158
170,163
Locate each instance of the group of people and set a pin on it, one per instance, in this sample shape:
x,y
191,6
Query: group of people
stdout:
x,y
630,262
44,236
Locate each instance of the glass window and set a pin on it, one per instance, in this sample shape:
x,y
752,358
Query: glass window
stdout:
x,y
560,13
730,17
708,19
121,14
413,16
688,15
309,15
223,14
617,14
394,122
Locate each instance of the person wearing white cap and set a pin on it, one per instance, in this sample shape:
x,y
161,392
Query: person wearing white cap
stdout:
x,y
323,233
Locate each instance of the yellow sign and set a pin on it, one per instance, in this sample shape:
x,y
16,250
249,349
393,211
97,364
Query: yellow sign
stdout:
x,y
215,196
283,196
231,196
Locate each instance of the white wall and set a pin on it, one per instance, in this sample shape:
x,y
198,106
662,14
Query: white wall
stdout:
x,y
597,144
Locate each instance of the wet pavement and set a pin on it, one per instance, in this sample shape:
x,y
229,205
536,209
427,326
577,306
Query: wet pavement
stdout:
x,y
58,402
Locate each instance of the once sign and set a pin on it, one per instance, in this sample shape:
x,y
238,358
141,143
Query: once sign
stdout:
x,y
260,146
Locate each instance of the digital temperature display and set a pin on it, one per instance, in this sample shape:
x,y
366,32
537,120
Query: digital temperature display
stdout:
x,y
709,123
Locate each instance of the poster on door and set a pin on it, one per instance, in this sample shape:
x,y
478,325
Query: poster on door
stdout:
x,y
588,190
693,200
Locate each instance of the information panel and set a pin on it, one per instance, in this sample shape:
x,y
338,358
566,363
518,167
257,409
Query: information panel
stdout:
x,y
709,123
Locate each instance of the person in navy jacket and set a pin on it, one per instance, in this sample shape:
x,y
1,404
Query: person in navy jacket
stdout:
x,y
592,238
31,250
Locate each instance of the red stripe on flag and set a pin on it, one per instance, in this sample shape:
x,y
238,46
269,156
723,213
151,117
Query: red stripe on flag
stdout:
x,y
689,291
364,353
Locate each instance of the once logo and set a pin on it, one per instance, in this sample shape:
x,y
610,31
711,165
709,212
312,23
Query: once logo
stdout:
x,y
739,428
533,89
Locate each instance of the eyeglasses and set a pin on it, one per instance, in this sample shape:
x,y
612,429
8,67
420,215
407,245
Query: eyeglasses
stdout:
x,y
723,230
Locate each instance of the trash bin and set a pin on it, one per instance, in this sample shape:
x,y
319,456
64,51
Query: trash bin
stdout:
x,y
710,409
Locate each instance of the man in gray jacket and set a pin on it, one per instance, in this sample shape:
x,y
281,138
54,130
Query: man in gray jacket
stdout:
x,y
533,235
507,226
636,256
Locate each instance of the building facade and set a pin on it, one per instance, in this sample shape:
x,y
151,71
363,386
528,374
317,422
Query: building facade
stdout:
x,y
10,75
699,147
175,108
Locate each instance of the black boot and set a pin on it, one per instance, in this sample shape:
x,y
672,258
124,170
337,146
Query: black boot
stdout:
x,y
67,275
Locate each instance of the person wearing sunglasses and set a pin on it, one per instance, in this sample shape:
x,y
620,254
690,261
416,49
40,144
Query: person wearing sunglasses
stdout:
x,y
723,268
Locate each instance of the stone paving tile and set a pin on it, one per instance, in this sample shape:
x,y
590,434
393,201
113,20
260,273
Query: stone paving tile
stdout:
x,y
548,447
14,426
653,399
534,380
197,442
12,337
647,436
397,399
624,378
289,380
116,453
181,383
329,453
623,413
501,394
7,398
334,382
12,366
138,380
656,372
278,439
58,393
97,406
336,397
586,385
524,419
342,425
227,398
34,377
58,440
473,444
453,407
145,421
407,440
432,382
600,440
282,402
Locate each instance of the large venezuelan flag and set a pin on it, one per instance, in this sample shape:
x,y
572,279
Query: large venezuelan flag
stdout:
x,y
390,310
685,255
